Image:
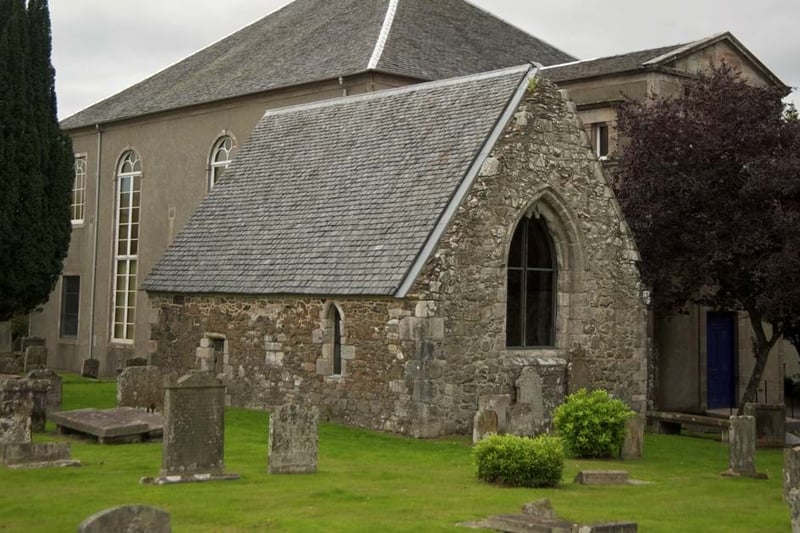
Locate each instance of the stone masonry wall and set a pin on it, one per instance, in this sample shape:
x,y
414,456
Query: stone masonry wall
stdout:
x,y
541,166
419,365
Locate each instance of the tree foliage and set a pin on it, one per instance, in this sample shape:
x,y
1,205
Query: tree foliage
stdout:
x,y
710,184
36,161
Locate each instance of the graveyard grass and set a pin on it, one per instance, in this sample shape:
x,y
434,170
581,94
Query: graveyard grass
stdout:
x,y
369,481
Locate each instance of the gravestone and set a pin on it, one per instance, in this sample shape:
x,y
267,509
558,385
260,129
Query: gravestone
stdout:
x,y
33,393
791,470
35,358
602,477
794,506
742,447
634,438
128,519
54,388
501,405
484,424
770,424
293,440
15,422
141,387
90,368
194,430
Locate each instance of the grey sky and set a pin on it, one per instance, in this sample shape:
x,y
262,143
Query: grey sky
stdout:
x,y
101,47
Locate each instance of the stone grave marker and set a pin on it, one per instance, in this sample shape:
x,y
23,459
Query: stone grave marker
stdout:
x,y
16,448
501,405
122,425
35,358
141,387
15,422
32,392
602,477
128,519
791,470
484,424
793,499
55,388
634,437
194,430
293,440
90,368
742,448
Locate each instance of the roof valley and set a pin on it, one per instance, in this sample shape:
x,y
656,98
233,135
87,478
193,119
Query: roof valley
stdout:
x,y
380,44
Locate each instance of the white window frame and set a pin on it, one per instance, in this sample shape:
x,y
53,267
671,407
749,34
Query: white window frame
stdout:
x,y
126,253
78,203
224,145
598,130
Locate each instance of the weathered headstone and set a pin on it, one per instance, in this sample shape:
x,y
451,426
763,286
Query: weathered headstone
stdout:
x,y
634,438
33,393
578,375
194,430
35,358
791,470
293,440
602,477
90,368
111,426
742,447
141,387
15,422
55,388
128,519
793,499
529,387
484,424
501,405
770,424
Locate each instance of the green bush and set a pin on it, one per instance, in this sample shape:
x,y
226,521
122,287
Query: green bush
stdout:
x,y
592,424
520,461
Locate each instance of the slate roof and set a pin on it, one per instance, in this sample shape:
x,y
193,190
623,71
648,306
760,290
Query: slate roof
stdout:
x,y
340,197
605,65
313,40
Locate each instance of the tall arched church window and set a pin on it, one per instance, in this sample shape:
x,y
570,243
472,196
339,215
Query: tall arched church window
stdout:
x,y
126,245
530,309
221,155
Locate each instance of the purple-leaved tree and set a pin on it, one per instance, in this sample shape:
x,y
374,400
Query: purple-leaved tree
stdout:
x,y
709,181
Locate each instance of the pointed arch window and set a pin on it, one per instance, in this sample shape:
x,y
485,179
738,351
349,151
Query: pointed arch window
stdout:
x,y
221,155
336,325
126,246
530,308
79,190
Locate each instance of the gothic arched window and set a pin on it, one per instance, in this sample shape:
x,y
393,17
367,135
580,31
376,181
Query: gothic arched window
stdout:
x,y
530,309
221,155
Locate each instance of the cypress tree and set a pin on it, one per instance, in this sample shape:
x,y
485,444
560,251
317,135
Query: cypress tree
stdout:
x,y
36,161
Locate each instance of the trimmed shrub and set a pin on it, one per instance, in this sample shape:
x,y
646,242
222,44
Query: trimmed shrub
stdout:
x,y
592,424
520,461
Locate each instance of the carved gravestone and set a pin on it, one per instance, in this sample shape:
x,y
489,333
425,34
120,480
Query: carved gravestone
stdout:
x,y
141,387
15,422
33,393
194,430
293,440
128,518
793,499
484,424
791,470
634,438
90,368
501,405
54,389
35,358
742,447
527,413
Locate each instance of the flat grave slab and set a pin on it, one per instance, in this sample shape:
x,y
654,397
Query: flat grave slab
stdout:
x,y
111,426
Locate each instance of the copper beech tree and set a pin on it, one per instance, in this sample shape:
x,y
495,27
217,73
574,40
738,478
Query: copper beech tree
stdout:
x,y
709,181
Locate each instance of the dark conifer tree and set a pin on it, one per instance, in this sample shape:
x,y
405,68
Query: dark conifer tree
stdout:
x,y
35,160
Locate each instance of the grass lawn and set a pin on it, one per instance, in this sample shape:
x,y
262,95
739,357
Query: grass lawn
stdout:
x,y
369,481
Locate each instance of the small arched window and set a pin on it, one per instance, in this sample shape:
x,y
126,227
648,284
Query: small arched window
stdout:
x,y
530,309
221,155
336,325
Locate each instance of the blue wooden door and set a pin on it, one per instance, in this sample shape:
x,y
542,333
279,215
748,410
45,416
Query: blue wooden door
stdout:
x,y
721,360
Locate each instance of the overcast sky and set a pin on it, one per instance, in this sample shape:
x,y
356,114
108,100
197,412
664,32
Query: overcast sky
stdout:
x,y
101,46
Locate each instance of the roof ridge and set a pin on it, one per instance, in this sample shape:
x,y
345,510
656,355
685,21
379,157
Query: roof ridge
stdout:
x,y
380,44
673,48
385,93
